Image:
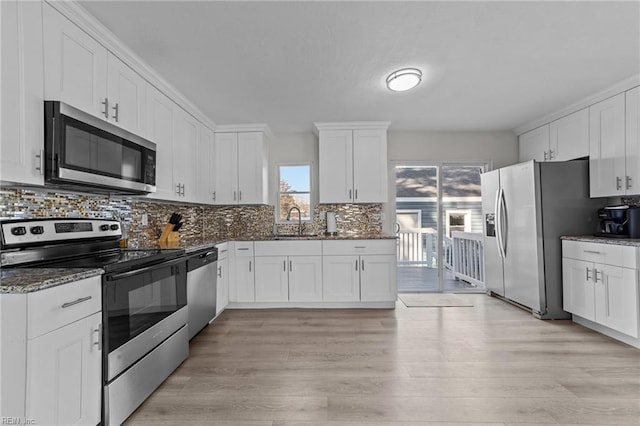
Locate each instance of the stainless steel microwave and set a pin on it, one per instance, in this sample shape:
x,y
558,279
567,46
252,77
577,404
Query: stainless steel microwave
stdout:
x,y
85,152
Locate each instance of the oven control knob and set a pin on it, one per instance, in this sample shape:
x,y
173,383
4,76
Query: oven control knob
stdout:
x,y
19,230
114,227
104,227
37,230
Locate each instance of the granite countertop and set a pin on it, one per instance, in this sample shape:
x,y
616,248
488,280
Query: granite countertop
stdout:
x,y
26,280
632,242
319,237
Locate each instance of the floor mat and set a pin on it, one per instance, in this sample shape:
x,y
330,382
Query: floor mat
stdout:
x,y
435,300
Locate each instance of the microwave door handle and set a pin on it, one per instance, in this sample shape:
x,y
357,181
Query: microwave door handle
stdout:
x,y
143,270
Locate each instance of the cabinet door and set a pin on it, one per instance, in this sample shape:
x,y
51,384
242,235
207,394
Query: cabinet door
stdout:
x,y
64,374
272,279
632,141
252,168
127,96
185,153
578,295
245,279
75,65
22,109
336,166
569,137
204,164
222,285
607,147
378,278
341,278
226,168
370,166
617,298
305,278
160,122
534,145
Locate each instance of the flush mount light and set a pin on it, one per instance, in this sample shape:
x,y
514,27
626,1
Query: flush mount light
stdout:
x,y
404,79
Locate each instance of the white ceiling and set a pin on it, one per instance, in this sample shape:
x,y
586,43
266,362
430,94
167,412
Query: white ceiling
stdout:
x,y
488,65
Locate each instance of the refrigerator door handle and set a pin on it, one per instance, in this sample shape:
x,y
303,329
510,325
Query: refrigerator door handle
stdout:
x,y
497,223
504,220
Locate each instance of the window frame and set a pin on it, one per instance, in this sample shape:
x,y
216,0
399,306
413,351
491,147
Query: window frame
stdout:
x,y
308,164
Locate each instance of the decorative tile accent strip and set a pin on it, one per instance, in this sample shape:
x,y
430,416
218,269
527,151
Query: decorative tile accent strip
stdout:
x,y
201,222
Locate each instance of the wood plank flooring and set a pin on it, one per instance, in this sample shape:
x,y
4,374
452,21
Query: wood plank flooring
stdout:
x,y
490,364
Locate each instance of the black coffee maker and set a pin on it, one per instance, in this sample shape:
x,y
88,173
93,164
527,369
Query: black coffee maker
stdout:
x,y
619,222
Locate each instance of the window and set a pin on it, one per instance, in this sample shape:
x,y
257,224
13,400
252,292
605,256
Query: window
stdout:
x,y
294,190
458,220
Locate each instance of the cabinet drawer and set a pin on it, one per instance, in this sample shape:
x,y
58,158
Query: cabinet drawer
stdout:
x,y
55,307
243,248
223,250
608,254
356,247
288,248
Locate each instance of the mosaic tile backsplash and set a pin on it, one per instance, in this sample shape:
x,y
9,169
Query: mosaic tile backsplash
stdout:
x,y
201,222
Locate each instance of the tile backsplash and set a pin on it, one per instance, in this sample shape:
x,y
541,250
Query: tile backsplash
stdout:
x,y
201,222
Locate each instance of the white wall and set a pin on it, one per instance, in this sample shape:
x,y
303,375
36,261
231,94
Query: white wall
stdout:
x,y
498,148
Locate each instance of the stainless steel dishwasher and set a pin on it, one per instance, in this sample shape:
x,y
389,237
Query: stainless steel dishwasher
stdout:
x,y
201,288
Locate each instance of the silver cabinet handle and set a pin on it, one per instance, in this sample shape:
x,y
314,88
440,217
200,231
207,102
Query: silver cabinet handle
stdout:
x,y
239,195
219,271
284,265
214,195
592,251
243,248
106,108
99,341
356,264
618,183
595,275
234,195
75,302
350,192
545,156
360,247
628,181
249,266
362,265
290,266
356,194
552,154
115,110
178,189
588,277
40,157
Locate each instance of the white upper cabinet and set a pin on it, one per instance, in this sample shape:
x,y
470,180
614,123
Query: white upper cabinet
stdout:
x,y
75,65
569,137
534,145
160,122
127,96
561,140
205,161
352,162
632,141
22,109
241,167
185,155
607,173
81,72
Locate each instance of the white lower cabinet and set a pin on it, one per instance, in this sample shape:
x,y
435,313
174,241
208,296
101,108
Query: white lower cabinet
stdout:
x,y
272,279
600,284
305,278
341,278
378,281
222,283
63,374
242,281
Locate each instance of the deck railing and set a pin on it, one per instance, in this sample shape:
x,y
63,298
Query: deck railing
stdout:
x,y
463,253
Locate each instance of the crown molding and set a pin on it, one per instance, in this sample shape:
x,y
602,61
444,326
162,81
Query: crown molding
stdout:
x,y
352,125
610,91
88,23
253,127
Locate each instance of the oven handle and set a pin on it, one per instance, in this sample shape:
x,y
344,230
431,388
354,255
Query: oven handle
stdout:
x,y
143,270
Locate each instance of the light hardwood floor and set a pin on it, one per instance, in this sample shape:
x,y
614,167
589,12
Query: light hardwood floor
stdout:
x,y
490,364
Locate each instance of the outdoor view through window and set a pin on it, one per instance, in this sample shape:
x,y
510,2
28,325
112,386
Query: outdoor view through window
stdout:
x,y
294,191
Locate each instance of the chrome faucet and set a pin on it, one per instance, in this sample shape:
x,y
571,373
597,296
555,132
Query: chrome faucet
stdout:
x,y
299,218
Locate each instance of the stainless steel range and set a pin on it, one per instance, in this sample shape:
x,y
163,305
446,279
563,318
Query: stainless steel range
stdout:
x,y
144,300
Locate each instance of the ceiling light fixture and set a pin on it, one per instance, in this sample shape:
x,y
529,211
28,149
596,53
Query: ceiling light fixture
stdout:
x,y
404,79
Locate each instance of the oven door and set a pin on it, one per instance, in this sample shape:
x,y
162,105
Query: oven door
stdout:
x,y
82,150
141,309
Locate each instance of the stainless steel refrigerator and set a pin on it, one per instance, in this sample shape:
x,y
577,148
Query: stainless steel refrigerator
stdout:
x,y
526,208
